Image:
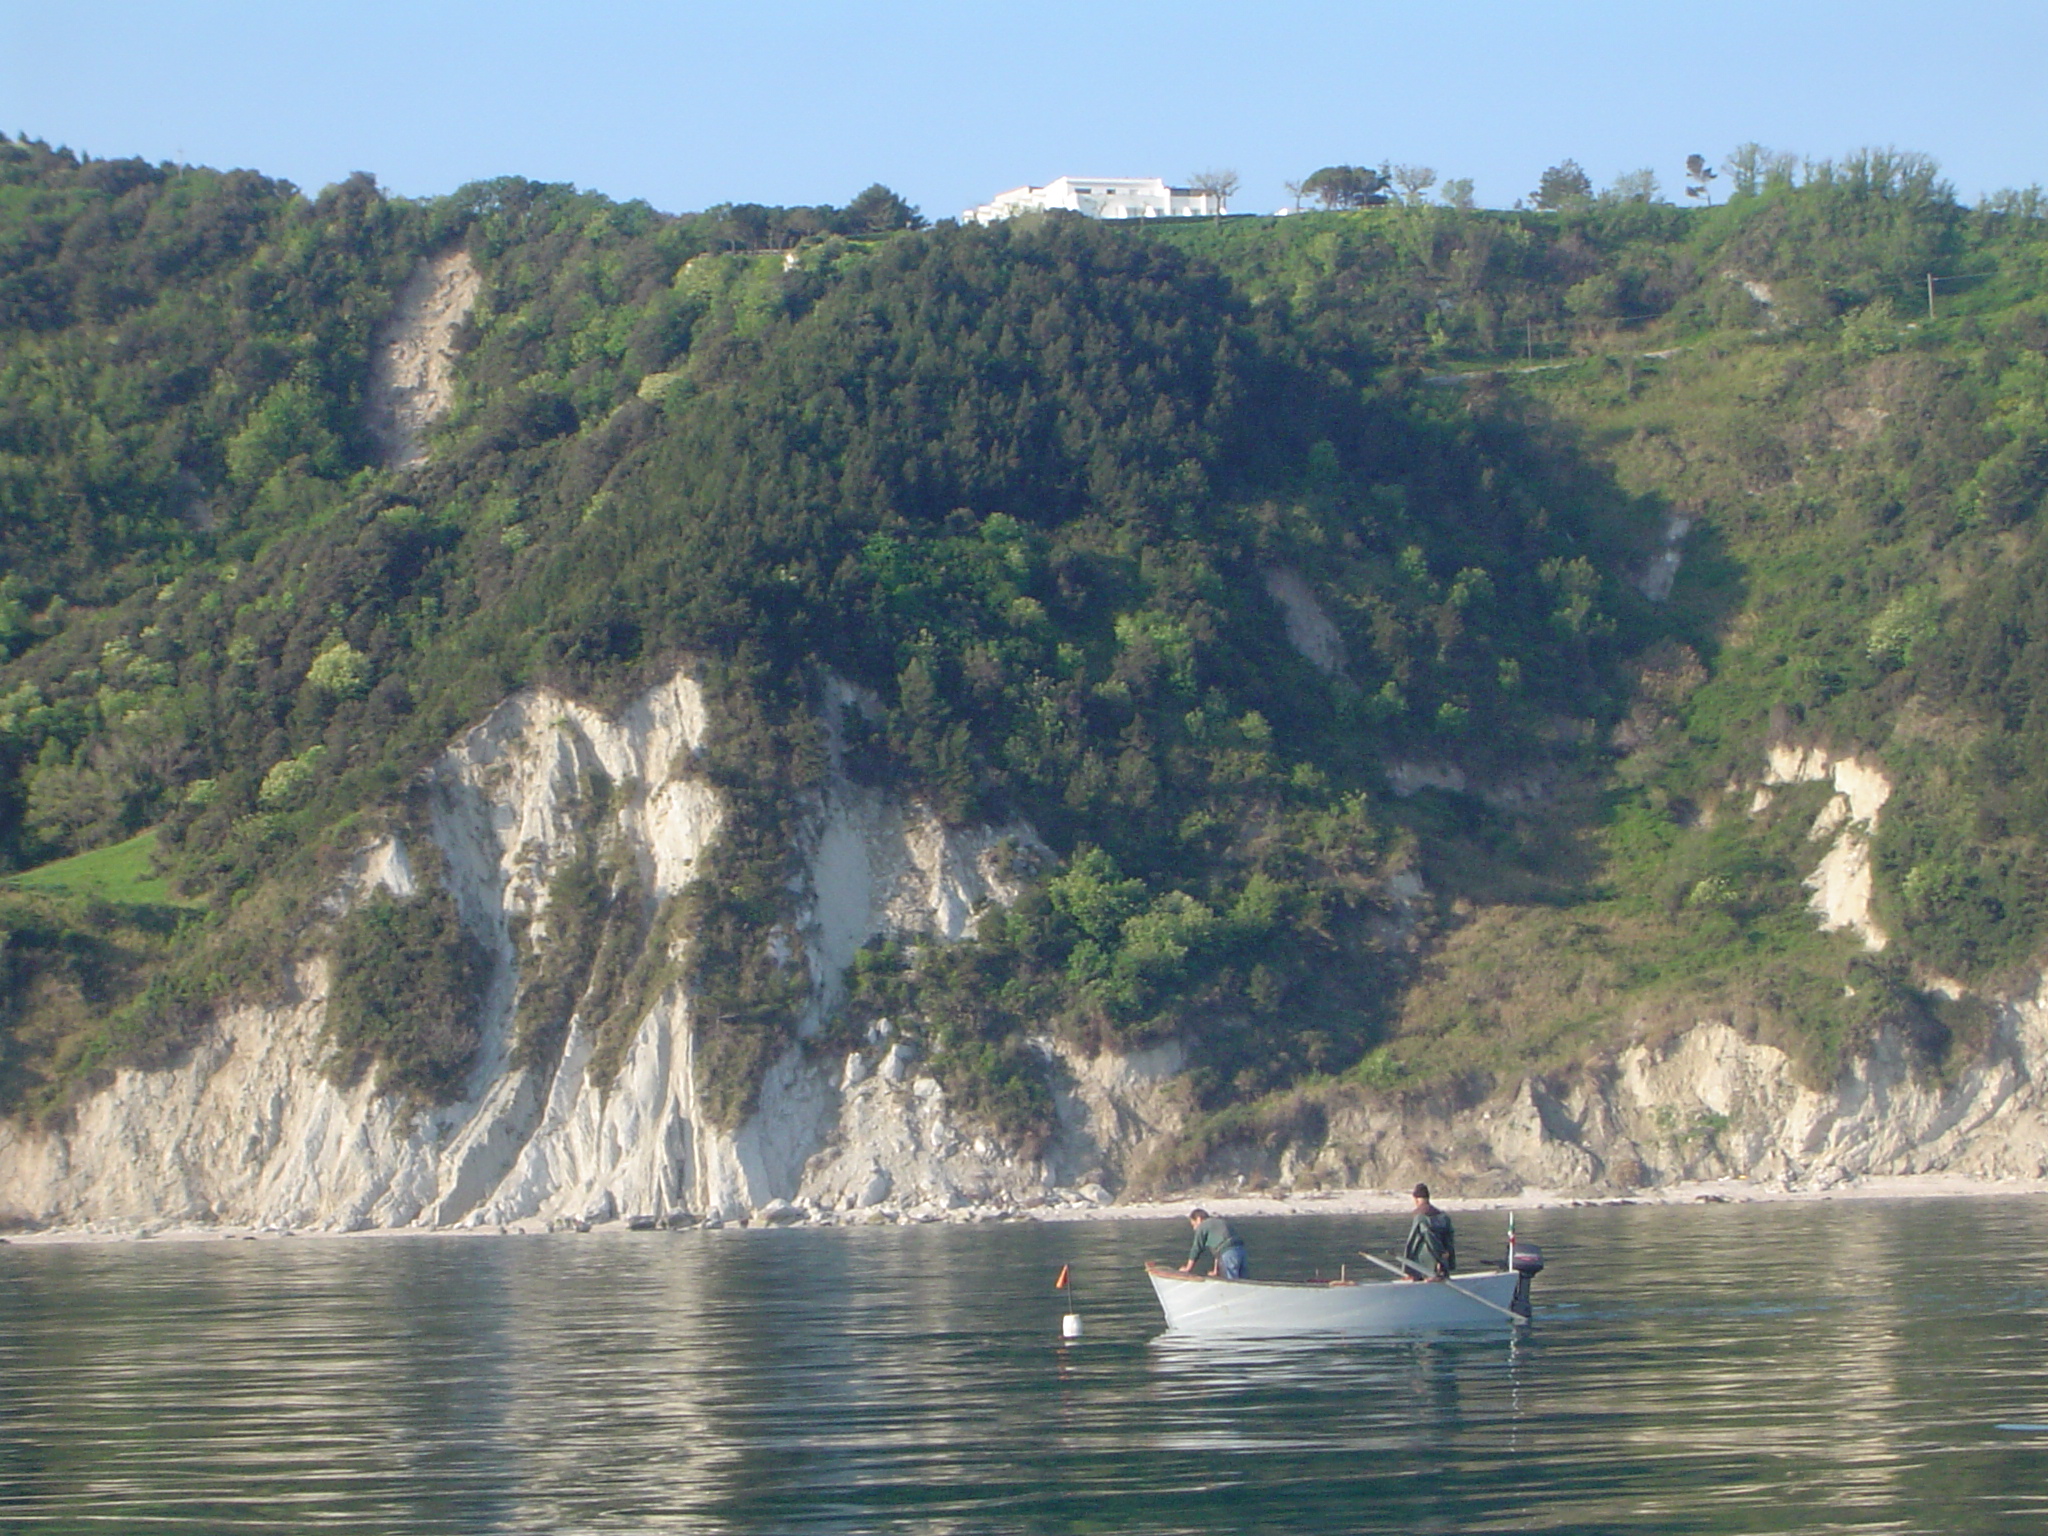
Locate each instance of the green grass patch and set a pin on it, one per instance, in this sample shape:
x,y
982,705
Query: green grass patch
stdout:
x,y
122,873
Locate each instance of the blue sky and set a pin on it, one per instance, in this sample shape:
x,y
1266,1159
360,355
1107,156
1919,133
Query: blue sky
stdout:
x,y
801,101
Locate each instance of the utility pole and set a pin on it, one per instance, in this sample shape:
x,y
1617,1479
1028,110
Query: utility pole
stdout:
x,y
1930,295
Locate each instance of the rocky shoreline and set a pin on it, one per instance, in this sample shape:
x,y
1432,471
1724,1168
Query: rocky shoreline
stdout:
x,y
1092,1203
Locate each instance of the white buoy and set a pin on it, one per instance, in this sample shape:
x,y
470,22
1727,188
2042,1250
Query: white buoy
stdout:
x,y
1070,1326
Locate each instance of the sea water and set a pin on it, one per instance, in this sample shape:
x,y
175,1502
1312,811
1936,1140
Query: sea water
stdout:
x,y
1847,1366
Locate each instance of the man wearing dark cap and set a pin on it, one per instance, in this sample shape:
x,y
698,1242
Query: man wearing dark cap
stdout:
x,y
1213,1236
1432,1251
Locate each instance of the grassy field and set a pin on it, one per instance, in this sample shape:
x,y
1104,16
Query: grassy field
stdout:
x,y
122,872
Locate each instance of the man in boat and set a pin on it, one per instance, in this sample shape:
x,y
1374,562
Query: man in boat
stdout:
x,y
1432,1250
1214,1237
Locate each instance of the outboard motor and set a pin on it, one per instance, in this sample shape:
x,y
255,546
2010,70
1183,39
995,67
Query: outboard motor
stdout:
x,y
1526,1260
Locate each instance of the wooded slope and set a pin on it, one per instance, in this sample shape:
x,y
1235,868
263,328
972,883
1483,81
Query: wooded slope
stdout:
x,y
1046,492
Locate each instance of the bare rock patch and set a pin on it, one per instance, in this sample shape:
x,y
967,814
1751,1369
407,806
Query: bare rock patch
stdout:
x,y
412,365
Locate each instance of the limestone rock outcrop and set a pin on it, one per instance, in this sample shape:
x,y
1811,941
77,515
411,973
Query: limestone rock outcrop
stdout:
x,y
251,1129
1710,1103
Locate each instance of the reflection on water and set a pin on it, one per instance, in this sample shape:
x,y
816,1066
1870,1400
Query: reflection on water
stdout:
x,y
1722,1369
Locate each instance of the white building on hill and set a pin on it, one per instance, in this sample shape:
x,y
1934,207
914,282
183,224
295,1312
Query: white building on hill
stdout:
x,y
1100,197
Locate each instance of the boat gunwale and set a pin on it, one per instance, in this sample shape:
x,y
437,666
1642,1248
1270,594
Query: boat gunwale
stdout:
x,y
1158,1271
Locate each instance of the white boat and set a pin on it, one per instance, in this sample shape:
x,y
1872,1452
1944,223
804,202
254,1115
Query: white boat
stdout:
x,y
1492,1298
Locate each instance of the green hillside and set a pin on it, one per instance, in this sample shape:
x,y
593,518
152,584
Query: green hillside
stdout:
x,y
122,873
1032,486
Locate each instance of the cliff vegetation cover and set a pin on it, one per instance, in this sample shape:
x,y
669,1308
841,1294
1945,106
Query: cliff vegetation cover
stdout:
x,y
1382,614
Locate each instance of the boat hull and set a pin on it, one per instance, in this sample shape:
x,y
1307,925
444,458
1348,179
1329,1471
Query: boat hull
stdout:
x,y
1198,1304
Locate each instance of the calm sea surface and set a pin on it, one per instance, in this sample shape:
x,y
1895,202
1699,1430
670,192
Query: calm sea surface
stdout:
x,y
1851,1367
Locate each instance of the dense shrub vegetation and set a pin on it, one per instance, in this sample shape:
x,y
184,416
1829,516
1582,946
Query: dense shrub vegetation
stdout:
x,y
407,986
1052,495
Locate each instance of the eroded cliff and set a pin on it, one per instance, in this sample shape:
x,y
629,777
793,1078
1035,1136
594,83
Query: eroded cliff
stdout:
x,y
252,1127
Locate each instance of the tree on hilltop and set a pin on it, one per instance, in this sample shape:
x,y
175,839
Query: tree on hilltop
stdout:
x,y
1223,183
1347,186
1632,187
1564,185
878,210
1414,182
1753,168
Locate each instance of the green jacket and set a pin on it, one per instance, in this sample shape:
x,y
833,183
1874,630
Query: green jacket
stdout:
x,y
1212,1237
1432,1245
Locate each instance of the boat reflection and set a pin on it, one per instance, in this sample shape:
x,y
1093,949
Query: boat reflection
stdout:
x,y
1273,1394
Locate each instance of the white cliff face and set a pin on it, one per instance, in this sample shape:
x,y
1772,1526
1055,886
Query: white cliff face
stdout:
x,y
1841,882
247,1124
878,865
896,1145
249,1128
1710,1103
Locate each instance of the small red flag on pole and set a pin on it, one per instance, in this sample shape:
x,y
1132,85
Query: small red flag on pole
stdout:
x,y
1061,1283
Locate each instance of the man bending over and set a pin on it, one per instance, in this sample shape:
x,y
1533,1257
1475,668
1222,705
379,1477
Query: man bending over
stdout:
x,y
1214,1237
